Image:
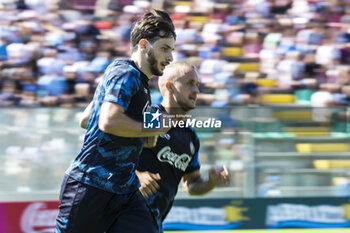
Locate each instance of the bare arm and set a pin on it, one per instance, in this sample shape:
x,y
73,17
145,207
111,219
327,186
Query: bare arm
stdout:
x,y
194,184
114,121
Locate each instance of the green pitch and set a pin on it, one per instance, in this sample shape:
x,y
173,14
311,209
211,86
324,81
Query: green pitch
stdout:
x,y
345,230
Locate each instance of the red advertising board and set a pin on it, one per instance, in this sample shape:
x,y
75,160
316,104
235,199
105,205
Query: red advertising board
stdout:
x,y
28,217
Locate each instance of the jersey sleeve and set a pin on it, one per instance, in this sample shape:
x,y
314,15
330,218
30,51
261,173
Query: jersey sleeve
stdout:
x,y
120,88
194,165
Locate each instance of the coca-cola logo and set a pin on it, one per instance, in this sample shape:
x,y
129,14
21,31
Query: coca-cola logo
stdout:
x,y
179,161
36,218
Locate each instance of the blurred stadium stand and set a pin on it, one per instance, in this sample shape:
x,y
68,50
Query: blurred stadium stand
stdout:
x,y
284,51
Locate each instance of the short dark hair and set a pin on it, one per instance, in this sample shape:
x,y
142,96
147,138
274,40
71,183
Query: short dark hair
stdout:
x,y
153,25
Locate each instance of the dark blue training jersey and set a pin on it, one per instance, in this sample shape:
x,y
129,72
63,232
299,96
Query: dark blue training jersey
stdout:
x,y
107,161
175,154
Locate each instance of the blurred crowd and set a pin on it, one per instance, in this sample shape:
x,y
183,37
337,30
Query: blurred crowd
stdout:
x,y
54,52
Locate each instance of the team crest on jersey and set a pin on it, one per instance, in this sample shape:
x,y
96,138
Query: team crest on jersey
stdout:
x,y
192,149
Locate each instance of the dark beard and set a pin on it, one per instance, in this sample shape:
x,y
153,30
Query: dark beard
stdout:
x,y
153,63
186,108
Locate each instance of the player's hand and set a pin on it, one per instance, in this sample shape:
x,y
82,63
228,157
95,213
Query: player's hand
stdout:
x,y
149,184
219,178
150,142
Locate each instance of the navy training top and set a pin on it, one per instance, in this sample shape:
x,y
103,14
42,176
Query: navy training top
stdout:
x,y
106,161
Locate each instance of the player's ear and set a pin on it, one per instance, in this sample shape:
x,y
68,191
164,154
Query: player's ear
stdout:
x,y
143,45
169,86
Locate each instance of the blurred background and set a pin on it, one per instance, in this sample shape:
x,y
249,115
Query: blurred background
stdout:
x,y
52,53
276,72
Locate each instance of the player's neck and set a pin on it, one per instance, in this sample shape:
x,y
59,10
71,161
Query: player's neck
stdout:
x,y
141,64
172,109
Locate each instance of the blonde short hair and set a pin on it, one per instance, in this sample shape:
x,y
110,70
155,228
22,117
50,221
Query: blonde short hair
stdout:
x,y
174,71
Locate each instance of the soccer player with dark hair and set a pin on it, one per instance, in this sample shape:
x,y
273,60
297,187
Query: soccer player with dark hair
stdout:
x,y
175,156
100,192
